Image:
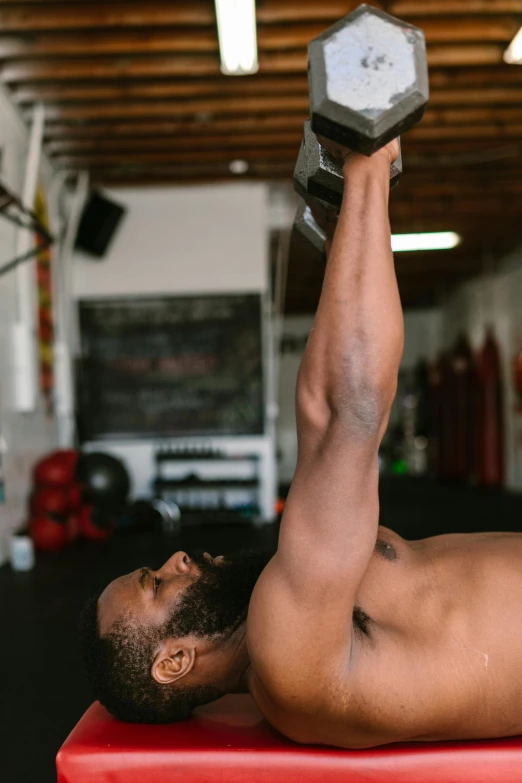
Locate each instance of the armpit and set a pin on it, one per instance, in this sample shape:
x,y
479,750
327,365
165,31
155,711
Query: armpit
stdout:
x,y
361,622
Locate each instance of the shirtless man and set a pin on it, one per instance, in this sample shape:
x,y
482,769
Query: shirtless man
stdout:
x,y
354,637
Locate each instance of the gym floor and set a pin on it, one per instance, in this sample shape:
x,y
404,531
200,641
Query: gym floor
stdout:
x,y
43,688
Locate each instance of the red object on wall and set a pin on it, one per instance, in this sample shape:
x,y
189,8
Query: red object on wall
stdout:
x,y
491,415
230,741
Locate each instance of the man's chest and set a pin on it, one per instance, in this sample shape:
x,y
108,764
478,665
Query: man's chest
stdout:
x,y
443,652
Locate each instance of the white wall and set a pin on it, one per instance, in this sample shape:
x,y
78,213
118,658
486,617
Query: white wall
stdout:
x,y
185,240
24,437
494,300
422,336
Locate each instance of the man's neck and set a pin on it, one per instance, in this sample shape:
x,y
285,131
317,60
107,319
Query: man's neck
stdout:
x,y
238,660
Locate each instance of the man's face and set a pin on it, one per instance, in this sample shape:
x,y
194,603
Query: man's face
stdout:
x,y
199,595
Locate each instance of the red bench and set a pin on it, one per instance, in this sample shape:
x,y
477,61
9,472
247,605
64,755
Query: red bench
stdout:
x,y
229,742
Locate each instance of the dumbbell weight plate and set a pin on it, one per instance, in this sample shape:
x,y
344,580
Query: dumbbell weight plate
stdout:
x,y
368,79
328,212
307,226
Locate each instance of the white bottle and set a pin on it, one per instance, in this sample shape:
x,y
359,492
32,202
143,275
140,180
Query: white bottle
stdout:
x,y
21,553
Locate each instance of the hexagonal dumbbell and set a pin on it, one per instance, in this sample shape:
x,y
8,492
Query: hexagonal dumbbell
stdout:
x,y
327,211
308,227
323,174
368,79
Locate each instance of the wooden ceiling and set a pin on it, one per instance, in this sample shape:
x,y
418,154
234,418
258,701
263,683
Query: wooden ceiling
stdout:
x,y
133,92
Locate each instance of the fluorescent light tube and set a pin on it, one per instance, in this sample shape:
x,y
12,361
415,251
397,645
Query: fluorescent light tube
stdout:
x,y
513,54
236,21
440,240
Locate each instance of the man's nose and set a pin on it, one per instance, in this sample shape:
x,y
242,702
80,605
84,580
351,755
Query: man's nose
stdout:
x,y
179,563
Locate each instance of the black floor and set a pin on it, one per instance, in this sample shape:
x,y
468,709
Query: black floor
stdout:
x,y
43,689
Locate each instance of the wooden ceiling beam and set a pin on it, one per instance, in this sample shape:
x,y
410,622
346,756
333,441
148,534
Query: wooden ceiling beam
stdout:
x,y
289,139
177,108
128,67
292,104
41,15
269,123
407,8
193,88
256,86
500,75
465,116
204,39
22,17
173,41
172,156
245,140
185,173
285,154
201,126
490,132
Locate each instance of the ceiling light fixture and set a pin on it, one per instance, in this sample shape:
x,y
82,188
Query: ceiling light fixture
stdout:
x,y
513,54
238,166
236,22
440,240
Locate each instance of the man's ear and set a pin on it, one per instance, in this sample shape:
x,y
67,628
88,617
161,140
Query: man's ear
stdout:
x,y
172,662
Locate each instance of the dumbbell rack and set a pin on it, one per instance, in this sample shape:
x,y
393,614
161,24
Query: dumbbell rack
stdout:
x,y
228,498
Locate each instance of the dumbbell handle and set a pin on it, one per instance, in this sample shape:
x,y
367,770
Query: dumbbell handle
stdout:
x,y
325,177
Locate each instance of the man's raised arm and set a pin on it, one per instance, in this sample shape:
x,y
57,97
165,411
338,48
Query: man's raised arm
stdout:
x,y
347,381
346,386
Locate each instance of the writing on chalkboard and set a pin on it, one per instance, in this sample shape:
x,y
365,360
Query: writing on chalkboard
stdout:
x,y
169,366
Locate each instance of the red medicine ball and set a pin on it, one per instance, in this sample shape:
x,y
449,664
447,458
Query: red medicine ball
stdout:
x,y
56,470
75,496
50,500
94,524
48,534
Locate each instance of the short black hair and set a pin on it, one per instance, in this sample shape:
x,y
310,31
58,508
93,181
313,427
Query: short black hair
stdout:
x,y
118,667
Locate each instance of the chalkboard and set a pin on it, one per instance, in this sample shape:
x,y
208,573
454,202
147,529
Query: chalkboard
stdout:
x,y
168,366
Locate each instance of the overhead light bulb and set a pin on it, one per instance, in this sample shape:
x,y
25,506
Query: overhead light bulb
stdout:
x,y
238,167
236,22
439,240
513,54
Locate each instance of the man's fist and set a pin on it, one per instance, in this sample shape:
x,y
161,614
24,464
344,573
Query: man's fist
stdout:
x,y
342,154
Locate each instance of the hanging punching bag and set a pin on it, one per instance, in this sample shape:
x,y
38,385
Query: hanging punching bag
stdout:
x,y
441,411
462,401
491,415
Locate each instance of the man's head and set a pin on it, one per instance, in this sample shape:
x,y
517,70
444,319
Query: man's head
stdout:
x,y
159,643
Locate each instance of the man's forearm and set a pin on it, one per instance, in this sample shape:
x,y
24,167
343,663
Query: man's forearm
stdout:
x,y
353,353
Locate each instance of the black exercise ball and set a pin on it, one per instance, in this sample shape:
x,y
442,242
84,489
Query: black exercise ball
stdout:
x,y
104,479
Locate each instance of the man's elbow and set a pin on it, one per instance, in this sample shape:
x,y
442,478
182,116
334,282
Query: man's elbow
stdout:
x,y
363,407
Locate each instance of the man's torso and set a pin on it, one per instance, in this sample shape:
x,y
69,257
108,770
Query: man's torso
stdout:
x,y
435,653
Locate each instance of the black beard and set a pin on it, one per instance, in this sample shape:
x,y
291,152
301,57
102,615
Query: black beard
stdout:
x,y
218,601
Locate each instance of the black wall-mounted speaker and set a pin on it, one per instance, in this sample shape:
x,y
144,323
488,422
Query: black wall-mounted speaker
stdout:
x,y
98,223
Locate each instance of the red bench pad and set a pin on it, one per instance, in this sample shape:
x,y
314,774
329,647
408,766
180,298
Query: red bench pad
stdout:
x,y
229,742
